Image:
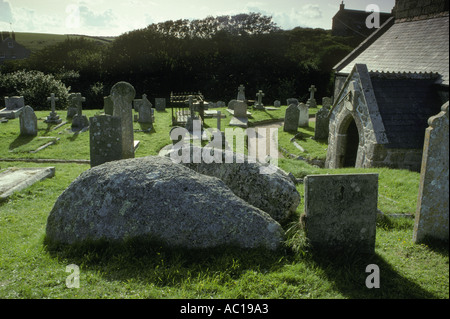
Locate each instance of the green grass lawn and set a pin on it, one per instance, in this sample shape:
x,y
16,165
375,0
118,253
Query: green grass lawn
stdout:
x,y
134,270
37,41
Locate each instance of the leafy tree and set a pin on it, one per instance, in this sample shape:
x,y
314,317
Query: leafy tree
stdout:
x,y
35,87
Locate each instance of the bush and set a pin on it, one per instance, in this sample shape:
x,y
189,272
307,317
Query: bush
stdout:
x,y
35,87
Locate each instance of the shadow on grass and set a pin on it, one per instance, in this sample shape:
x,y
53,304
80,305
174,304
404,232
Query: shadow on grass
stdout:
x,y
20,141
349,275
150,261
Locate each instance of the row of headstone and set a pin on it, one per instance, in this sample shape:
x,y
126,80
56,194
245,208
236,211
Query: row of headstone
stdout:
x,y
299,113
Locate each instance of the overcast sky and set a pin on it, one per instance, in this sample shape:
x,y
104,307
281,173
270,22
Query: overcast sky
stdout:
x,y
114,17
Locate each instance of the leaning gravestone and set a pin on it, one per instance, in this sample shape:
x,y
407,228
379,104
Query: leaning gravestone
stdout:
x,y
160,104
122,95
13,107
28,121
105,139
110,202
291,118
341,211
303,115
432,206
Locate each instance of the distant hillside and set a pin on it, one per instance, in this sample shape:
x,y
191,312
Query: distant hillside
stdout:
x,y
36,41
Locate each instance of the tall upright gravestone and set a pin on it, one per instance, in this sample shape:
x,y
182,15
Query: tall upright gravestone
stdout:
x,y
321,129
432,205
122,95
291,118
105,139
303,115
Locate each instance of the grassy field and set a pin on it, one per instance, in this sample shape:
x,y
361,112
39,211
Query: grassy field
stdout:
x,y
134,270
37,41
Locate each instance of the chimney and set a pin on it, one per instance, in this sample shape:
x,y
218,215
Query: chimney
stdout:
x,y
342,6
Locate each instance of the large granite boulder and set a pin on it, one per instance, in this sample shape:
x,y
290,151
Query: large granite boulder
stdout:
x,y
158,199
264,186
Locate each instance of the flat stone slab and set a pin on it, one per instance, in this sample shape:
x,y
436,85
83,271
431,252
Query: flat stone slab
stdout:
x,y
239,121
15,179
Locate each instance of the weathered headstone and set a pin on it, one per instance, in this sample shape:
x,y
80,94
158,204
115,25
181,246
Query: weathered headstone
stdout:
x,y
303,115
292,101
326,102
28,121
232,104
276,103
220,104
122,95
432,205
53,117
75,104
108,105
259,105
321,129
291,118
160,104
105,139
341,211
144,108
312,101
79,121
240,117
13,107
241,93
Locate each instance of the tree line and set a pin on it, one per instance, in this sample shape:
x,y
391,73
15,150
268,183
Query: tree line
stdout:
x,y
212,55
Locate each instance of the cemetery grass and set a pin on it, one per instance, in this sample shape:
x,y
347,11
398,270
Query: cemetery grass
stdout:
x,y
135,269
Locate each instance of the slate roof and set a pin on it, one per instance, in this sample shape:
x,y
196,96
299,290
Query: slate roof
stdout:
x,y
411,46
405,105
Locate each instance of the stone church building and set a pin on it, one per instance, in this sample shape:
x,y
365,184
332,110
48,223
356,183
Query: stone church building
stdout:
x,y
388,87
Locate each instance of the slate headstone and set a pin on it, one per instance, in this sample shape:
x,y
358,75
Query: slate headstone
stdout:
x,y
276,103
105,139
432,205
108,105
341,211
160,104
291,118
